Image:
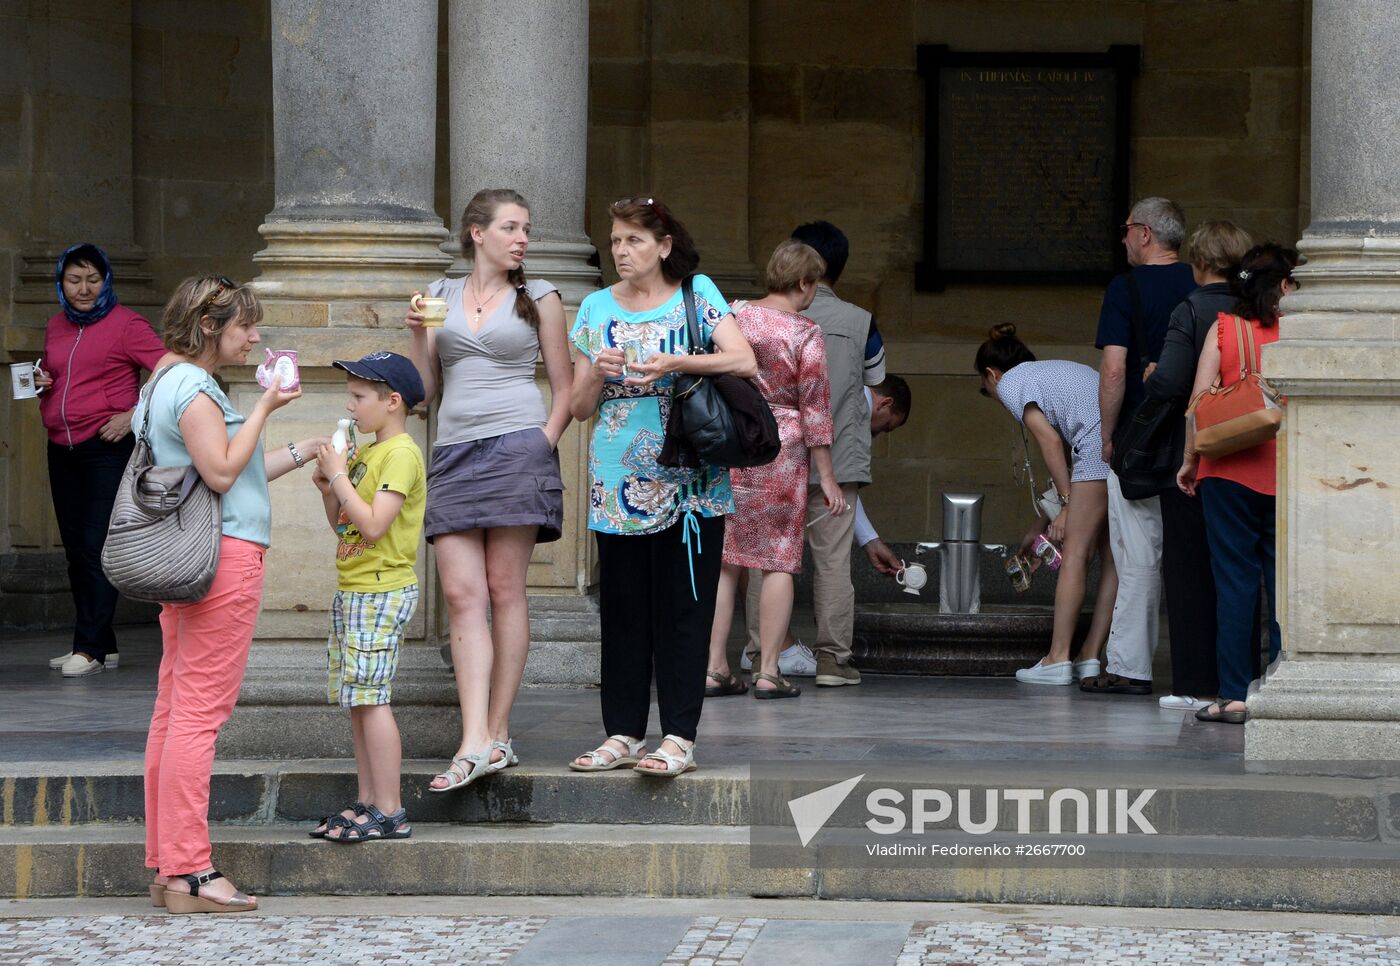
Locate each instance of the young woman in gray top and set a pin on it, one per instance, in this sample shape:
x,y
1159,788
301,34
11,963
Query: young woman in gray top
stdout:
x,y
494,489
1056,402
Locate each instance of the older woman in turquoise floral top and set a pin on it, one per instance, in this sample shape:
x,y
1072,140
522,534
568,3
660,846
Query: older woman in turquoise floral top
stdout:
x,y
660,530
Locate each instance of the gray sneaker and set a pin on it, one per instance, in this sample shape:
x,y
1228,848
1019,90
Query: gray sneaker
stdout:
x,y
797,661
830,674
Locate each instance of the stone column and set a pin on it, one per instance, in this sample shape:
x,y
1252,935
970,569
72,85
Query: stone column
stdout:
x,y
354,97
353,232
518,96
519,119
1335,695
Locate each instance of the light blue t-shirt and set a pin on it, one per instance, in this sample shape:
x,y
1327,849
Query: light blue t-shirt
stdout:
x,y
629,491
247,507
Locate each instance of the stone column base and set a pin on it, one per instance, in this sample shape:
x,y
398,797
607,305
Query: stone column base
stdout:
x,y
358,261
1325,717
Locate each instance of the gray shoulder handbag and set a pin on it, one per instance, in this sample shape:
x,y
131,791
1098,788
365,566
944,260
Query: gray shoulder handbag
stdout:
x,y
163,539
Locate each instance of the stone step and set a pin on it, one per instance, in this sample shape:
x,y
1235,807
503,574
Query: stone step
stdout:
x,y
258,792
700,861
263,792
569,628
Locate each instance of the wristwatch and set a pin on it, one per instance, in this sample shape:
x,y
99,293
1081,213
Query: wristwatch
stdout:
x,y
296,456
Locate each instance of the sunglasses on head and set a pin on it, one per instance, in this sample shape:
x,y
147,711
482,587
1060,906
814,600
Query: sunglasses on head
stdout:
x,y
224,284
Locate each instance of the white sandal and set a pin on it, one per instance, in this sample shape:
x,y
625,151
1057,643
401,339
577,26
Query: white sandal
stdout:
x,y
508,760
674,765
604,758
471,766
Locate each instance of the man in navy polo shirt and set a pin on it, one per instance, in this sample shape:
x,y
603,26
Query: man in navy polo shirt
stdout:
x,y
1132,327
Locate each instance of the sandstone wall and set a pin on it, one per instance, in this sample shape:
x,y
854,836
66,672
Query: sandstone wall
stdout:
x,y
833,124
146,125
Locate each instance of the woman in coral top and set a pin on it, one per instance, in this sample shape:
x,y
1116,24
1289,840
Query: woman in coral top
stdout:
x,y
770,502
1238,491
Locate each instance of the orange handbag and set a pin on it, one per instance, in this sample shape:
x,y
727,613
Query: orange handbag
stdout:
x,y
1228,419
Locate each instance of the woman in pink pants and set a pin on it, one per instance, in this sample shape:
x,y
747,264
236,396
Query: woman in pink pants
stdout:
x,y
209,322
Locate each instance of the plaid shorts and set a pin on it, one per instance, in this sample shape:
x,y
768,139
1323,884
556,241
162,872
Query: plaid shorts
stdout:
x,y
363,649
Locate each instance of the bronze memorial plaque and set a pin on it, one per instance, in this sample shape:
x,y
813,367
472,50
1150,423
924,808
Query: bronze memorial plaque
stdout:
x,y
1026,165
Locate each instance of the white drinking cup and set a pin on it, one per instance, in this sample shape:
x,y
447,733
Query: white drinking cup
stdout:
x,y
912,577
22,381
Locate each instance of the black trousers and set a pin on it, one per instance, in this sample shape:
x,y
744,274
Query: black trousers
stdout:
x,y
651,621
1190,592
83,480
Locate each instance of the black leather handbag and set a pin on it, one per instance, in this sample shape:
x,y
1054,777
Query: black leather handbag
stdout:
x,y
719,420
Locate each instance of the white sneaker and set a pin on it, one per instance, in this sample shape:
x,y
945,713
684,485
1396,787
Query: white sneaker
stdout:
x,y
797,661
1181,702
57,662
80,666
1087,669
1041,673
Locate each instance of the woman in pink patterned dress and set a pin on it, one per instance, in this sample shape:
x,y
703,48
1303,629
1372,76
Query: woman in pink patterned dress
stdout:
x,y
770,502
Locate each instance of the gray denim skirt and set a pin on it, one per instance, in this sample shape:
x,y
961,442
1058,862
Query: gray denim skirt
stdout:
x,y
501,481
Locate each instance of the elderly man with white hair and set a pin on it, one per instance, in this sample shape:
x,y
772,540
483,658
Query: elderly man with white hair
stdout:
x,y
1133,321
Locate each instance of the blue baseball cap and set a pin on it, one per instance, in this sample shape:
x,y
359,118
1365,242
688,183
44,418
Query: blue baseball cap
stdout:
x,y
388,367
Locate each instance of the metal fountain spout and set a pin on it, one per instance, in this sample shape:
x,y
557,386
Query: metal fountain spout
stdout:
x,y
959,552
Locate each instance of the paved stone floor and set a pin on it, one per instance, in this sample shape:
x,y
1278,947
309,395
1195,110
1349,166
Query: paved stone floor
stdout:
x,y
888,718
621,932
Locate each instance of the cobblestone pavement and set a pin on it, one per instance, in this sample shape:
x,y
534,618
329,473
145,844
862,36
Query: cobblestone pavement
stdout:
x,y
712,939
153,940
249,940
1030,945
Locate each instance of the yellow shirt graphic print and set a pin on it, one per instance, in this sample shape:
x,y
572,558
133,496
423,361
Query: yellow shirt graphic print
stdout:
x,y
395,465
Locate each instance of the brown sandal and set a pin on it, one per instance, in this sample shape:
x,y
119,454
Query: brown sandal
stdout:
x,y
724,685
783,689
1107,683
187,903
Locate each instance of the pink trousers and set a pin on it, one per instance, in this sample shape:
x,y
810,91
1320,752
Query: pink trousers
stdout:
x,y
206,653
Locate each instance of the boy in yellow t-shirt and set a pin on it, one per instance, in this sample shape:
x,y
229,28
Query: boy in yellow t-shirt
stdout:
x,y
374,501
